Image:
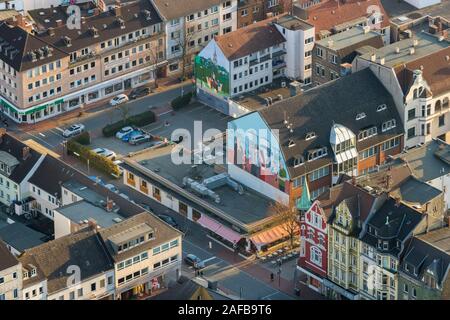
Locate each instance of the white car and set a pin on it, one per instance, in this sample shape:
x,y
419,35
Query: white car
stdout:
x,y
141,138
123,132
105,153
73,130
121,98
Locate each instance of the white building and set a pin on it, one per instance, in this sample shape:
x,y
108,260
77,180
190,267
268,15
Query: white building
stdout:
x,y
422,3
10,275
27,5
190,26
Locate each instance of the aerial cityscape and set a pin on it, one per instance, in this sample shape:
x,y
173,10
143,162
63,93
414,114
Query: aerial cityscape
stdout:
x,y
225,150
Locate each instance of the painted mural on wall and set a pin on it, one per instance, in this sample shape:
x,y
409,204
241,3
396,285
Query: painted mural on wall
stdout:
x,y
212,71
252,147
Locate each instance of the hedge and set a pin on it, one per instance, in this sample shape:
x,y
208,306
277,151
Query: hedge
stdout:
x,y
181,101
96,161
139,120
84,138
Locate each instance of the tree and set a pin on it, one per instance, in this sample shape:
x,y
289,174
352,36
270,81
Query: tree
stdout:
x,y
156,58
183,42
289,219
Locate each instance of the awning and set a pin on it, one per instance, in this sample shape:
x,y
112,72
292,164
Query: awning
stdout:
x,y
269,236
347,155
219,229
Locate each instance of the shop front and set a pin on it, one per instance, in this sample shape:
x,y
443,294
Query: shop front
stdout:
x,y
264,241
149,288
220,232
336,292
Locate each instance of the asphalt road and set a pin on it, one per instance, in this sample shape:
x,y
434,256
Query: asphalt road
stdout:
x,y
95,119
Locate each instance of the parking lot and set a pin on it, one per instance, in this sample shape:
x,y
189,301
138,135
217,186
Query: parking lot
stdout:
x,y
207,118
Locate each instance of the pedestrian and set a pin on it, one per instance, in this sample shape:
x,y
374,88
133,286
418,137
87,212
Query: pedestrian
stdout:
x,y
272,277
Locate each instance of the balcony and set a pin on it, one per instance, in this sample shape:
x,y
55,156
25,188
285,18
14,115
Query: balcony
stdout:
x,y
278,53
254,62
278,64
265,58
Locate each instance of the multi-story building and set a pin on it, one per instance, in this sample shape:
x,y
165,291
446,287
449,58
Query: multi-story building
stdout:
x,y
17,163
24,6
250,11
10,275
332,56
252,57
424,268
413,71
146,254
383,240
79,269
111,52
330,17
190,26
322,134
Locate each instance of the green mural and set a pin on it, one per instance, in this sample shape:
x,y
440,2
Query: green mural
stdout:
x,y
211,76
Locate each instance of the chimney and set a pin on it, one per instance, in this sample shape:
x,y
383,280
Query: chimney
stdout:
x,y
295,88
59,23
92,223
109,205
415,43
269,15
25,152
330,43
432,29
20,20
51,31
366,29
382,60
117,9
411,51
373,57
397,50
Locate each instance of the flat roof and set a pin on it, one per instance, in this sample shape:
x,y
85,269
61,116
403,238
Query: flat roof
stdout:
x,y
19,236
426,44
348,38
425,160
83,210
438,238
247,208
293,23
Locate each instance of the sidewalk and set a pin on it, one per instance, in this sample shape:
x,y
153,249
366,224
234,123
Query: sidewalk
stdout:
x,y
90,109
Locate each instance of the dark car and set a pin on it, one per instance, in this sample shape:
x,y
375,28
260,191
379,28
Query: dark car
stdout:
x,y
194,261
169,220
139,92
146,207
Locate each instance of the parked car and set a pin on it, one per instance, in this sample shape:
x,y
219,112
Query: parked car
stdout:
x,y
139,92
105,153
117,100
96,180
112,188
146,207
73,130
123,132
127,137
135,140
123,195
169,220
194,261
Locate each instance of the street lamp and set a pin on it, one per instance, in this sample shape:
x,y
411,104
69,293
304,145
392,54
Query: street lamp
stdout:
x,y
279,276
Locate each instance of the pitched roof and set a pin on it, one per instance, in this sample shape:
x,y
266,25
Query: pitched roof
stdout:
x,y
15,148
7,259
318,109
424,255
133,15
435,70
392,223
171,9
83,249
355,197
21,43
252,38
327,15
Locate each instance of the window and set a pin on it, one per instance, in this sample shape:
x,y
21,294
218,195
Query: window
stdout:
x,y
411,133
93,286
319,173
319,52
367,133
411,114
316,256
80,292
442,120
390,144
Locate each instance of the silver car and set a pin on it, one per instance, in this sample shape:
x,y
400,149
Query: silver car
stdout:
x,y
140,138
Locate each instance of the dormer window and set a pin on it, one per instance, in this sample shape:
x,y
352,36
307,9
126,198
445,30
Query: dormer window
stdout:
x,y
25,275
33,272
381,107
360,116
298,160
291,143
388,125
385,245
151,236
310,136
318,153
367,133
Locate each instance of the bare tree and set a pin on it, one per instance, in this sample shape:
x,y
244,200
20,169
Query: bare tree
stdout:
x,y
183,42
156,56
289,218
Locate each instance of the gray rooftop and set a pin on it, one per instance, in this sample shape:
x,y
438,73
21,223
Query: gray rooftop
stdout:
x,y
426,45
83,210
20,237
248,208
293,23
438,238
425,164
414,191
348,38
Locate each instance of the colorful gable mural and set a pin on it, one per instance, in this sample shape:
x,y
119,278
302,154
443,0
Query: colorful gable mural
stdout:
x,y
212,70
252,147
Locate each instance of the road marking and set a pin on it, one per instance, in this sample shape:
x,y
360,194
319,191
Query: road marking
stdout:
x,y
269,295
59,129
41,134
40,139
209,259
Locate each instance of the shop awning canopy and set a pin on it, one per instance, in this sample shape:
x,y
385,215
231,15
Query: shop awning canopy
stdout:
x,y
219,229
269,236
